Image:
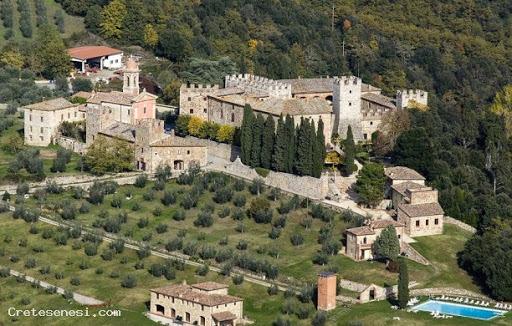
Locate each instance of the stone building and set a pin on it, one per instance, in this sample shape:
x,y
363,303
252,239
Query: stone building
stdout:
x,y
326,295
206,304
415,203
411,98
360,239
351,102
42,120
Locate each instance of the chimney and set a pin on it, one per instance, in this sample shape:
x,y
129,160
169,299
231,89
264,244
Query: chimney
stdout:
x,y
326,291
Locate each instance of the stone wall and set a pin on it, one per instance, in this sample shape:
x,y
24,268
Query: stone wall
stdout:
x,y
352,286
448,291
72,144
315,188
460,224
414,255
224,151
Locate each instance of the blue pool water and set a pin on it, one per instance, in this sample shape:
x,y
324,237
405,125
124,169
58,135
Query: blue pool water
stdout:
x,y
461,310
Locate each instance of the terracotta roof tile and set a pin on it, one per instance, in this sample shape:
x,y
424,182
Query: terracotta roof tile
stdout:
x,y
402,187
361,230
120,130
92,51
381,224
209,286
188,293
50,105
402,173
223,316
419,210
115,97
379,99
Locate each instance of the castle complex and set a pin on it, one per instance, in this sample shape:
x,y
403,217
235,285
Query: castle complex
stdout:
x,y
129,116
337,101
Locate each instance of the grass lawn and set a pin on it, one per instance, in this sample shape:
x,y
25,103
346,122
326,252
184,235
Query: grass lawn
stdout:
x,y
294,262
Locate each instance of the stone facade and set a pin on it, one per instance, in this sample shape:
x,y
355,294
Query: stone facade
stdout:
x,y
360,239
411,98
353,103
42,120
206,304
326,291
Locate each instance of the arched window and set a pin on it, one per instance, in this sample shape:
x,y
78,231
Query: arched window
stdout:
x,y
232,117
160,309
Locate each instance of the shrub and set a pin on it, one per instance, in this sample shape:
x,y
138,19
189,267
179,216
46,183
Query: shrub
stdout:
x,y
320,258
117,245
260,210
240,227
75,281
61,238
141,180
274,233
107,255
323,213
157,211
143,252
238,214
91,249
159,185
45,270
143,222
272,290
207,252
242,245
331,246
68,295
297,239
77,193
114,274
112,225
76,245
223,241
174,244
75,232
139,265
148,195
135,207
238,279
168,198
239,185
224,212
204,219
223,195
51,290
179,215
161,228
129,281
239,200
223,255
280,222
189,201
302,312
262,172
84,208
5,272
22,189
30,263
53,188
202,270
116,202
59,275
226,269
256,186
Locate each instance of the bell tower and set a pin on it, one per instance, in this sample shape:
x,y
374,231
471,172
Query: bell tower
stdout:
x,y
131,77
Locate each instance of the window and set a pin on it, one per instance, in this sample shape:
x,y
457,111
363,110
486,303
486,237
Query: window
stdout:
x,y
142,149
426,222
41,137
436,221
191,111
350,91
232,117
189,99
365,240
30,128
188,152
42,119
206,110
349,103
61,117
203,321
30,117
418,224
187,317
30,137
41,129
75,114
365,136
128,111
69,115
371,123
144,110
202,307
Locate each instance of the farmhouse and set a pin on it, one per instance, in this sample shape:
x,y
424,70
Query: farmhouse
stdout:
x,y
206,304
96,56
42,120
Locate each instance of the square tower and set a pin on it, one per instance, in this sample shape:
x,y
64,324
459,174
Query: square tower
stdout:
x,y
326,291
347,106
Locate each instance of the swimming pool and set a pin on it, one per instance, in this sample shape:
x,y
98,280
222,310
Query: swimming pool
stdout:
x,y
460,310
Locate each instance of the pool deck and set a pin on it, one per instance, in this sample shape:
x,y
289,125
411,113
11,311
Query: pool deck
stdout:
x,y
496,312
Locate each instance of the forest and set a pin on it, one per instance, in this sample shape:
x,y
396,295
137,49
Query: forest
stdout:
x,y
458,51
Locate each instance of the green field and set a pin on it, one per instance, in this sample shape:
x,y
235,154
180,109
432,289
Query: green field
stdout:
x,y
72,24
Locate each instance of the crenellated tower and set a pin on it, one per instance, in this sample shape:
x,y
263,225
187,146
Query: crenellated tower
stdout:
x,y
347,106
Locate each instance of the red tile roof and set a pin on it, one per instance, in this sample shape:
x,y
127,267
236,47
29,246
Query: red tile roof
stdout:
x,y
92,51
224,316
209,286
187,293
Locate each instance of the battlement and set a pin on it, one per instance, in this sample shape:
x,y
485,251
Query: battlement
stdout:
x,y
407,97
347,80
254,83
199,88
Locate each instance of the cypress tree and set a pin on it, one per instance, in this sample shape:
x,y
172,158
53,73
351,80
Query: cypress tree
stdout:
x,y
349,147
304,148
257,134
267,142
246,135
319,150
279,160
291,136
403,284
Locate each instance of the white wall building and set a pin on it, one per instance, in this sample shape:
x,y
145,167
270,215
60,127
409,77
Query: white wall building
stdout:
x,y
102,57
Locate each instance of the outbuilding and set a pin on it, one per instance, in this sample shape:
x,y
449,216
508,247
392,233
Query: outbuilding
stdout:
x,y
96,56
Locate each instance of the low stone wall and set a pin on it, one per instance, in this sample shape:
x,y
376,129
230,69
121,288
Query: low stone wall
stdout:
x,y
460,224
315,188
343,298
71,144
220,150
414,255
353,286
448,291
